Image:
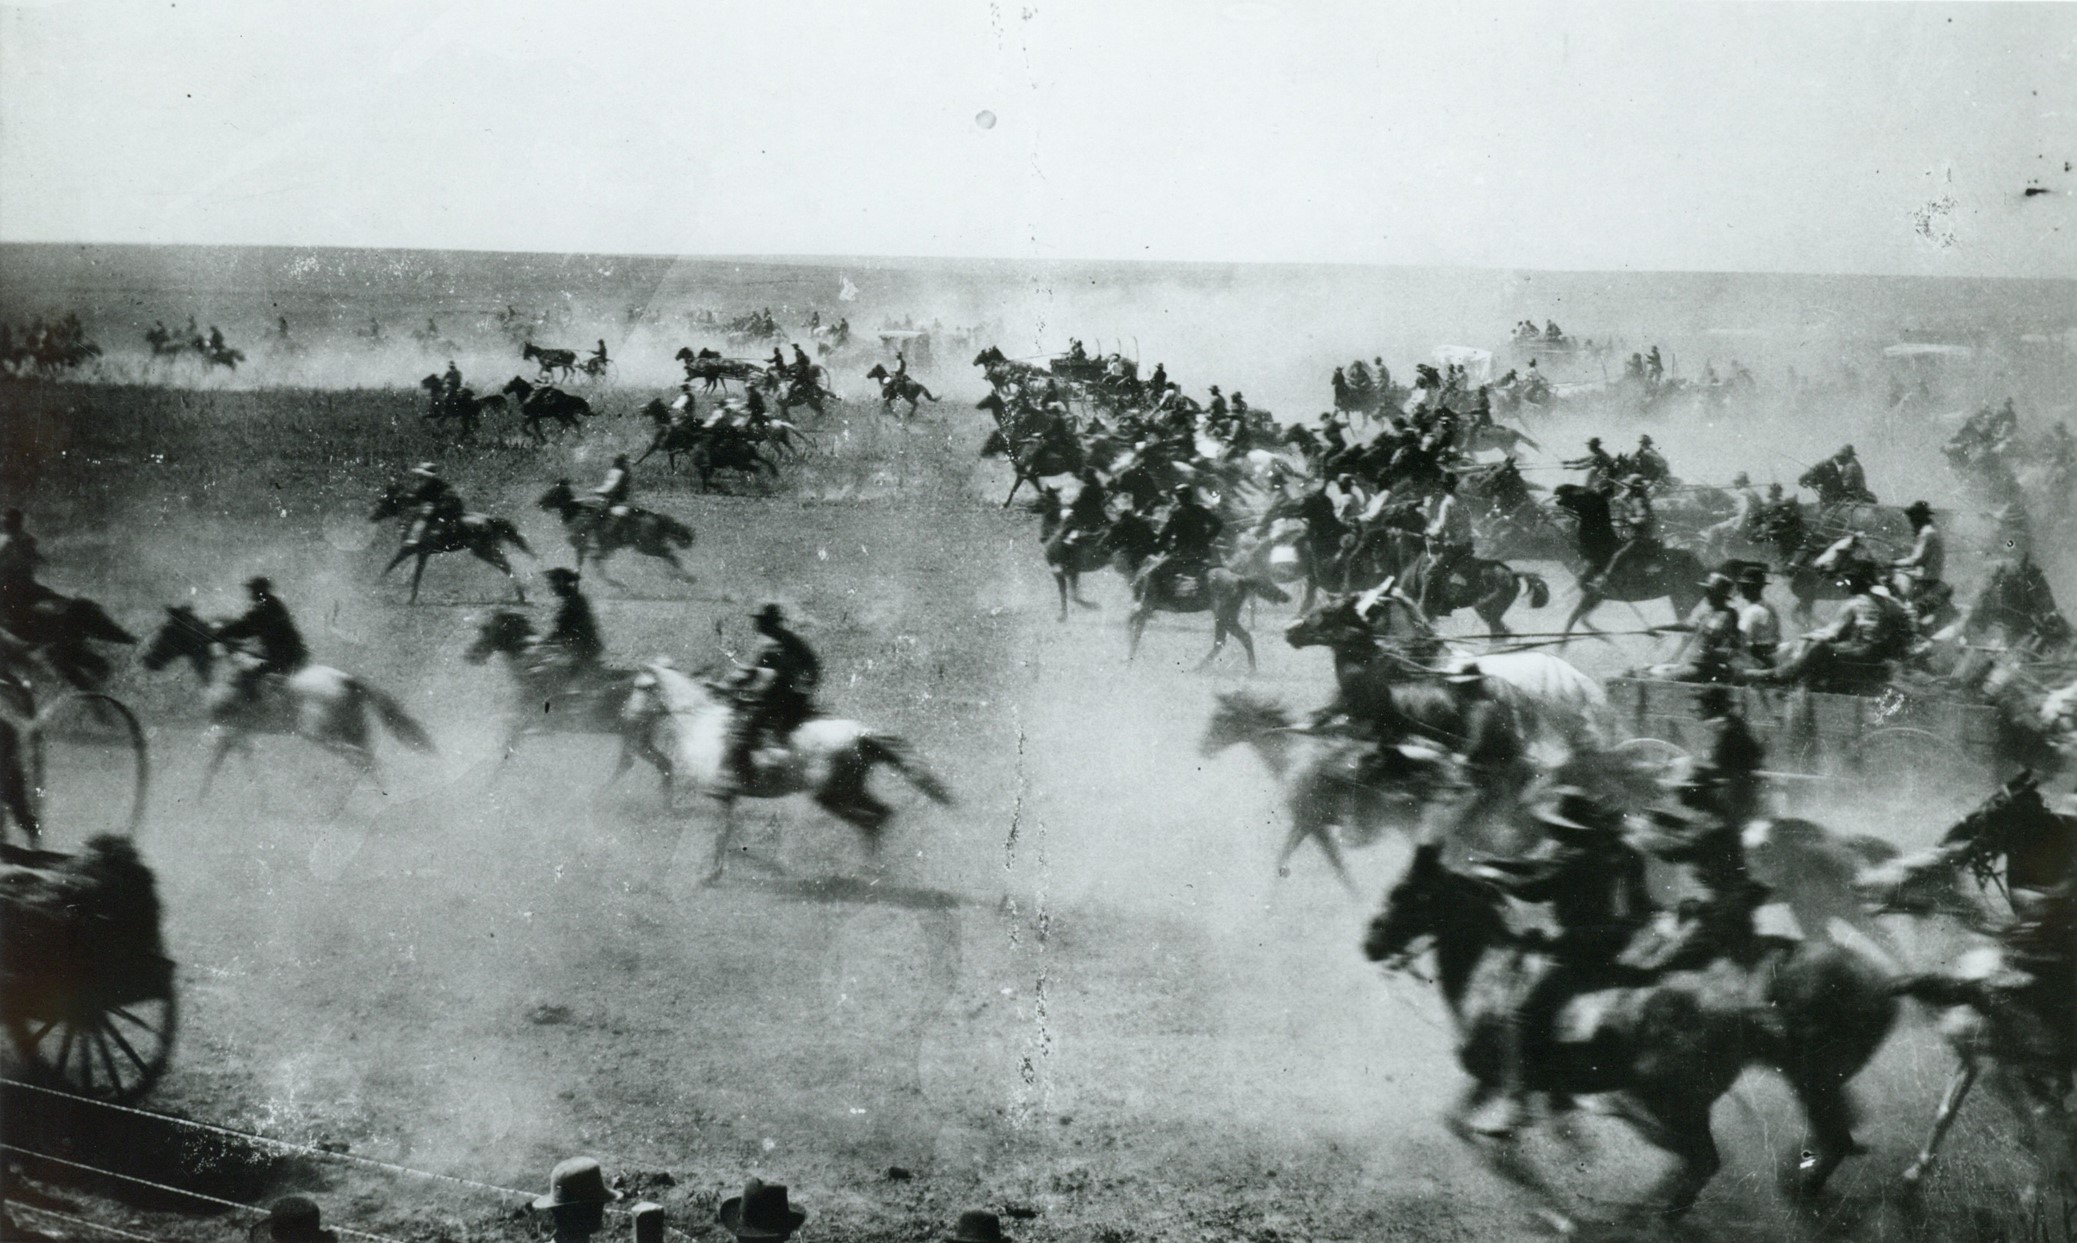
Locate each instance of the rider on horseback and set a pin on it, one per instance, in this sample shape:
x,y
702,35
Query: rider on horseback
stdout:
x,y
1852,654
612,493
451,381
19,590
1087,515
1639,525
1594,883
1717,922
1649,462
572,645
439,506
1598,465
774,692
267,624
1185,542
1448,537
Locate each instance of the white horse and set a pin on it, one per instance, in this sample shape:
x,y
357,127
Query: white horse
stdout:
x,y
827,758
321,704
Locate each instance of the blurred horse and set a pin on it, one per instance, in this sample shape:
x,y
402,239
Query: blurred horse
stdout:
x,y
827,758
480,535
895,388
603,702
321,704
595,533
550,361
547,404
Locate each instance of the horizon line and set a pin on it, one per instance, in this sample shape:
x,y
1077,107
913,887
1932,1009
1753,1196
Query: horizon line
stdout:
x,y
801,258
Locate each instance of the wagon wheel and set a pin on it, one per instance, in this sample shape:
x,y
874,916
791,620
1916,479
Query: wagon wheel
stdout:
x,y
88,767
1657,752
104,1042
1913,773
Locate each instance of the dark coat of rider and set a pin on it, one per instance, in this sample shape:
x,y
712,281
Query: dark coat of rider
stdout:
x,y
269,628
575,631
1191,530
776,691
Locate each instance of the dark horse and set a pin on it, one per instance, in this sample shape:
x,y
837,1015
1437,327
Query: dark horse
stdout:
x,y
1485,586
1032,457
1672,574
595,534
546,404
564,361
1666,1047
603,702
1082,553
1215,589
479,535
463,405
895,388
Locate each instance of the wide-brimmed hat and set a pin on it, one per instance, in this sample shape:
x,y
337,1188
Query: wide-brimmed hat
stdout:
x,y
976,1226
1753,572
561,574
578,1180
259,582
770,610
1571,810
761,1212
291,1219
1918,509
1716,581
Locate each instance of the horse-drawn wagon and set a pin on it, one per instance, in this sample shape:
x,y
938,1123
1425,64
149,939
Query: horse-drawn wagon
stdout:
x,y
912,344
1900,750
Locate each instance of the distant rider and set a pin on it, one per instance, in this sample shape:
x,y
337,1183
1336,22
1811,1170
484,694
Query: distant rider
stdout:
x,y
1448,537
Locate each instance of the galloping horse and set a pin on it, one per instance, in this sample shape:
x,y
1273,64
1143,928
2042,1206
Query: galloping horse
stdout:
x,y
1672,574
716,371
592,532
827,758
1216,589
464,405
895,388
547,703
330,708
480,535
2021,1034
1665,1047
538,405
1081,554
549,361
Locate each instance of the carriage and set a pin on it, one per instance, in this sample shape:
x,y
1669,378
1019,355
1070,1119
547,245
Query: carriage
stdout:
x,y
911,343
1900,752
86,990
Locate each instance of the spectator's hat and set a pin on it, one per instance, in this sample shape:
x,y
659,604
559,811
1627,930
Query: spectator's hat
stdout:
x,y
761,1212
291,1219
578,1180
976,1226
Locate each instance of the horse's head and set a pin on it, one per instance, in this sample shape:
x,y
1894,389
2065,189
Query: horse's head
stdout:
x,y
517,387
183,636
685,354
505,632
1329,623
989,357
1241,717
877,373
430,384
83,619
992,403
1426,899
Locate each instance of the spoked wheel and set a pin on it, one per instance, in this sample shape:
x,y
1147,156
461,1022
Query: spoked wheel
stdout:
x,y
102,1042
88,767
1668,760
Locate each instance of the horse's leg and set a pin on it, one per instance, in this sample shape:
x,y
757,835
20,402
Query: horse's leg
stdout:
x,y
1506,1161
1060,583
1830,1113
417,573
1682,1129
225,740
723,840
1964,1078
1135,625
394,562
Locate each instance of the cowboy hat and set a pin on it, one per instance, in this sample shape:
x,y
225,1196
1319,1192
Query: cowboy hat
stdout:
x,y
561,574
976,1226
259,582
291,1219
578,1180
1716,582
1918,507
1753,572
769,611
761,1212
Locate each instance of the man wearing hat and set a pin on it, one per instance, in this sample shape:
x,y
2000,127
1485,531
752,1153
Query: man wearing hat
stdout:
x,y
1851,655
760,1213
577,1199
1594,884
1448,536
1087,515
1713,642
573,639
1917,574
439,506
1598,465
1759,626
1633,516
1850,478
1649,462
613,493
291,1219
775,692
277,646
19,590
1185,541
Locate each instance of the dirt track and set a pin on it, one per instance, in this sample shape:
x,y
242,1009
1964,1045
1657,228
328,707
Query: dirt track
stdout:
x,y
1082,992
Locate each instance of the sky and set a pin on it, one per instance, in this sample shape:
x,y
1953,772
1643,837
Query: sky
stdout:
x,y
1806,137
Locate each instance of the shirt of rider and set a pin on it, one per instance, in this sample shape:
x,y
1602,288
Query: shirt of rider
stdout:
x,y
1928,553
1760,625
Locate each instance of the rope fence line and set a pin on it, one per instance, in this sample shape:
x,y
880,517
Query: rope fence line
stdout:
x,y
281,1144
179,1191
81,1222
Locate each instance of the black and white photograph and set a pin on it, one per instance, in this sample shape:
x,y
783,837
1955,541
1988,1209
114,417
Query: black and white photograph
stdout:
x,y
1003,621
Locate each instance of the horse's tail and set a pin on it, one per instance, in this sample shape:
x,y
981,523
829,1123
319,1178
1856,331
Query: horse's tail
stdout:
x,y
399,722
927,393
503,529
675,531
893,751
1539,590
